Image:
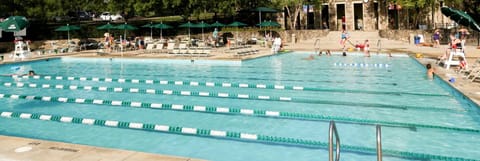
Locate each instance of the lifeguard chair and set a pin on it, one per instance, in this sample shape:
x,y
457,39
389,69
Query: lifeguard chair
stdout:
x,y
454,52
22,49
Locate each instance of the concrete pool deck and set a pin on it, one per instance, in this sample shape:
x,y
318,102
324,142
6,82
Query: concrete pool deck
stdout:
x,y
16,149
39,150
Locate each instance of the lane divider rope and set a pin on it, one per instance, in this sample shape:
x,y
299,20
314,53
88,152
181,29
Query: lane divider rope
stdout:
x,y
363,65
222,95
223,84
227,110
216,134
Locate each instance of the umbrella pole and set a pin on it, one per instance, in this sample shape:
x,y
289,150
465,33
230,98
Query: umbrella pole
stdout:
x,y
68,40
151,32
260,19
161,34
203,38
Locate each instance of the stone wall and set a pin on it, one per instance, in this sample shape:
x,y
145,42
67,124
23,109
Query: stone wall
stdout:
x,y
405,35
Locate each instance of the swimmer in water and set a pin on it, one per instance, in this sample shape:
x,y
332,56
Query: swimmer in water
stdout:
x,y
311,57
430,71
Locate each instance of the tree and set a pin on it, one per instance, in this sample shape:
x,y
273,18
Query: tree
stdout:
x,y
294,8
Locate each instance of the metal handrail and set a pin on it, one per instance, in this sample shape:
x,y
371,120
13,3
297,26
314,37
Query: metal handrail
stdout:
x,y
331,131
379,143
379,46
316,46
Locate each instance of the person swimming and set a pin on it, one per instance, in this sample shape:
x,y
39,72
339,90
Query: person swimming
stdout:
x,y
430,71
311,57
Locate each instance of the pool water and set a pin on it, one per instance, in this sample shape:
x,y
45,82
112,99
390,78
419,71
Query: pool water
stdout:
x,y
272,108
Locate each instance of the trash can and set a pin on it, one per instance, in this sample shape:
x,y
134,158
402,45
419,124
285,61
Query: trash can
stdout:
x,y
416,40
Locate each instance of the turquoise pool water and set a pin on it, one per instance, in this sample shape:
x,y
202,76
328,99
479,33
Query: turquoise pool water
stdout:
x,y
421,119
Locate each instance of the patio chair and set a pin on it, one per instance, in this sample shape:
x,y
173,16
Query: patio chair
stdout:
x,y
159,48
171,47
149,48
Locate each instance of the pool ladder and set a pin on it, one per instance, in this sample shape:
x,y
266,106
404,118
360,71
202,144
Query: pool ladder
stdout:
x,y
379,46
333,130
316,46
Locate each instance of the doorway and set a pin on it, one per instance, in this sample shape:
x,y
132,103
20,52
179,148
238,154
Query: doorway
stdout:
x,y
341,21
325,17
358,16
375,7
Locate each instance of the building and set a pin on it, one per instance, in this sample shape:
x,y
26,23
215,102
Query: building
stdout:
x,y
369,15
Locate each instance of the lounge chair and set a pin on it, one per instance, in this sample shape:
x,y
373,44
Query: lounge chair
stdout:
x,y
170,47
159,48
149,48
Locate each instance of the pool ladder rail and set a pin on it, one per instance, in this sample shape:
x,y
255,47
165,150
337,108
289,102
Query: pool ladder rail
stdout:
x,y
379,46
316,47
333,130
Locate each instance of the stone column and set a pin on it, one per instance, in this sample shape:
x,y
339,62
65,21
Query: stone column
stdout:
x,y
369,20
332,9
382,15
349,15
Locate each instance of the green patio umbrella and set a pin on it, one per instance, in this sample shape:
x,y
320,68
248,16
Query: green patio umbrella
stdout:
x,y
217,24
125,27
268,24
460,17
188,25
162,26
68,28
149,25
14,24
264,10
107,26
236,24
202,25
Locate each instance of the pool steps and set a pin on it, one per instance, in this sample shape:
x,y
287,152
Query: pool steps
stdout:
x,y
219,134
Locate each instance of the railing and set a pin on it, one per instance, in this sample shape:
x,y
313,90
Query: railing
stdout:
x,y
316,46
379,46
333,130
379,143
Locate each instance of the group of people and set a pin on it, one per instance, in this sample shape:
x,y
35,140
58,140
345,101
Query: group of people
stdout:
x,y
365,46
109,42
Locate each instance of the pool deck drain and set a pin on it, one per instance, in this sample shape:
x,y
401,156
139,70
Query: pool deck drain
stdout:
x,y
21,149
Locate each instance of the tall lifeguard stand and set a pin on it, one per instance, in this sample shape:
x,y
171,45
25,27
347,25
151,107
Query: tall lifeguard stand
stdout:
x,y
22,49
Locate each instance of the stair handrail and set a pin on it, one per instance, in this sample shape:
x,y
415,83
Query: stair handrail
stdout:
x,y
316,46
379,143
379,45
333,130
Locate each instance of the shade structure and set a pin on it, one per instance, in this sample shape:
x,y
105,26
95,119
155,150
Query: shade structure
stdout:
x,y
264,10
460,17
202,25
269,24
149,25
217,24
68,28
162,26
125,27
188,25
107,26
236,24
14,24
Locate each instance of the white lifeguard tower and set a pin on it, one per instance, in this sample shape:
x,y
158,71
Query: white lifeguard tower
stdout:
x,y
22,49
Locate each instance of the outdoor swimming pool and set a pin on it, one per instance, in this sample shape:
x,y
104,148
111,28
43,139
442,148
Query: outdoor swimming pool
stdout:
x,y
267,109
